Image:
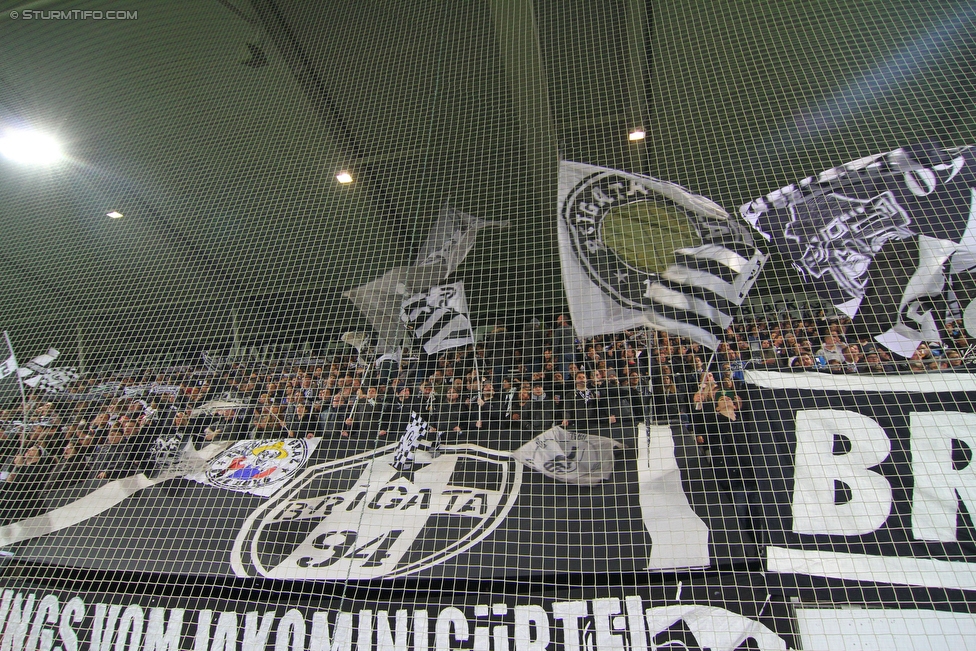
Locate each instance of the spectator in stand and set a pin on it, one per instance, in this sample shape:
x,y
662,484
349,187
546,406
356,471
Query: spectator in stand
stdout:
x,y
485,410
542,410
73,463
961,342
853,359
706,391
727,401
396,414
667,406
427,401
872,362
768,355
229,425
499,350
333,417
322,402
302,423
564,343
584,409
509,396
114,458
830,349
21,487
363,419
954,358
452,416
516,417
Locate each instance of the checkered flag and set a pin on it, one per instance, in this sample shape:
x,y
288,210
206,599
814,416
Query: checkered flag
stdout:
x,y
411,440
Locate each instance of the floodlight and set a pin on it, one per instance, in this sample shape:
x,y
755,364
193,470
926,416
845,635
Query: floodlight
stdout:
x,y
30,147
344,177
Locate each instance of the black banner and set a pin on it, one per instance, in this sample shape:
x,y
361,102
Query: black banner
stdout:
x,y
470,512
868,479
723,612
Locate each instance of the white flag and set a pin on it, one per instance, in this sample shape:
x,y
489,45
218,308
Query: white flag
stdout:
x,y
711,262
380,301
37,373
9,365
572,457
451,238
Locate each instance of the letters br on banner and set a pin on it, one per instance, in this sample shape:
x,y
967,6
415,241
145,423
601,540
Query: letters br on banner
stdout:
x,y
868,480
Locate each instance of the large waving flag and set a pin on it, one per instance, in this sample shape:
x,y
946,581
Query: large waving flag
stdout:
x,y
877,236
451,238
438,318
638,251
384,299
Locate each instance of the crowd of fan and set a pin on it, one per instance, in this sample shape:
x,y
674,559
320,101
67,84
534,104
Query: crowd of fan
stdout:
x,y
511,386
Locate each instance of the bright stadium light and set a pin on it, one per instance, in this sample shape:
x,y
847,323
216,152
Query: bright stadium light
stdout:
x,y
344,177
636,135
30,147
115,214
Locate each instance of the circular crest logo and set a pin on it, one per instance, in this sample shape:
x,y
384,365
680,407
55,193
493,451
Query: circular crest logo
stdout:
x,y
258,465
625,228
361,518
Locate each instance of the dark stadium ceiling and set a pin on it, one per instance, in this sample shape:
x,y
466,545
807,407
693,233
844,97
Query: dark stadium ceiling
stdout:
x,y
217,128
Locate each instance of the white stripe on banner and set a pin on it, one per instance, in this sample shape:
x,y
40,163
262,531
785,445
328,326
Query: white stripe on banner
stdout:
x,y
96,502
850,629
685,276
719,254
679,537
867,567
100,500
813,381
455,334
661,294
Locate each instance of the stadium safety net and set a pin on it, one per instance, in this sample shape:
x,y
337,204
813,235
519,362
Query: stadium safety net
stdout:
x,y
489,325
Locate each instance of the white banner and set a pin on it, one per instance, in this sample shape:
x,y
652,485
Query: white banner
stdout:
x,y
571,457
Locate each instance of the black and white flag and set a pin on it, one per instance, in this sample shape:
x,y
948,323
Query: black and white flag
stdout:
x,y
381,300
438,318
854,233
572,457
37,373
55,380
904,295
9,364
412,439
638,251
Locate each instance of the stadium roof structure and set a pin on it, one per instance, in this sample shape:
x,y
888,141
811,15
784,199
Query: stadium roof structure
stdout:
x,y
217,129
